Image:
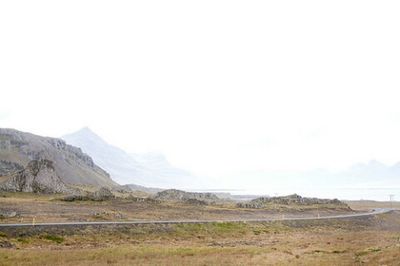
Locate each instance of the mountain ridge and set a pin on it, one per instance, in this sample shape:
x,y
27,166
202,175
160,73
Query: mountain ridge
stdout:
x,y
149,170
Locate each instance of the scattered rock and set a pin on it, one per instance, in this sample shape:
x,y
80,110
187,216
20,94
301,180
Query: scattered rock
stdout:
x,y
8,214
141,199
119,216
75,197
294,199
179,195
100,195
99,214
6,244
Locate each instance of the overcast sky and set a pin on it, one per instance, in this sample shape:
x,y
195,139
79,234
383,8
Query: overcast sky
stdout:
x,y
220,87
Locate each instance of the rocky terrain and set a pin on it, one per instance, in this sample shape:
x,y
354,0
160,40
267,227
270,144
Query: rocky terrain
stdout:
x,y
133,187
39,176
290,200
101,194
7,168
188,197
30,163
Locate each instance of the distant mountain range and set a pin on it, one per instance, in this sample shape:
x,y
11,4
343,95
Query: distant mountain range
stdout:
x,y
148,169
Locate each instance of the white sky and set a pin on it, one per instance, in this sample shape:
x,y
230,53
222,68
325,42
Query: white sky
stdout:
x,y
220,87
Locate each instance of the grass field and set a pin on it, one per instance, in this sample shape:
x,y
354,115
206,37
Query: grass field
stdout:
x,y
372,241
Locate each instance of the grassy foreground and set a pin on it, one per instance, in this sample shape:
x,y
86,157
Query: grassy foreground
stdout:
x,y
373,241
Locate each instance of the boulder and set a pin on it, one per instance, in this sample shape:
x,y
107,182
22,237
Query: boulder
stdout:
x,y
103,193
8,214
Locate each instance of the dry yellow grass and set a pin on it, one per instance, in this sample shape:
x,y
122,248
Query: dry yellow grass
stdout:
x,y
333,243
369,204
299,249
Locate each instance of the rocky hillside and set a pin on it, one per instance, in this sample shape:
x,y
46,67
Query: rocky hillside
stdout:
x,y
179,195
22,154
291,200
132,188
39,176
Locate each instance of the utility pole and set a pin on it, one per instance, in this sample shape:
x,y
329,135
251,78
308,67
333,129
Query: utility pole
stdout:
x,y
391,198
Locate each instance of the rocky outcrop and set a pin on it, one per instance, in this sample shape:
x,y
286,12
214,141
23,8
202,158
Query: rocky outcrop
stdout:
x,y
188,197
38,177
291,200
102,194
7,168
7,214
18,149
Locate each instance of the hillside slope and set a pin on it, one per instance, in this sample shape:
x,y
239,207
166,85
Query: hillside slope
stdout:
x,y
18,149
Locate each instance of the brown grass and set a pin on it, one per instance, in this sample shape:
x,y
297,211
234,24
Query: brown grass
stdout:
x,y
369,204
307,248
332,243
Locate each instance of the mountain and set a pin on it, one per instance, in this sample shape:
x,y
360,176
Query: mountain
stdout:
x,y
159,166
45,160
150,169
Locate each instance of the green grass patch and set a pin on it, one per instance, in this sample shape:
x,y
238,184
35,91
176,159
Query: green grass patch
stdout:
x,y
339,251
54,238
23,240
367,251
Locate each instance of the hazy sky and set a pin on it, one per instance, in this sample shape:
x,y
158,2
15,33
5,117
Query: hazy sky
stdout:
x,y
218,86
